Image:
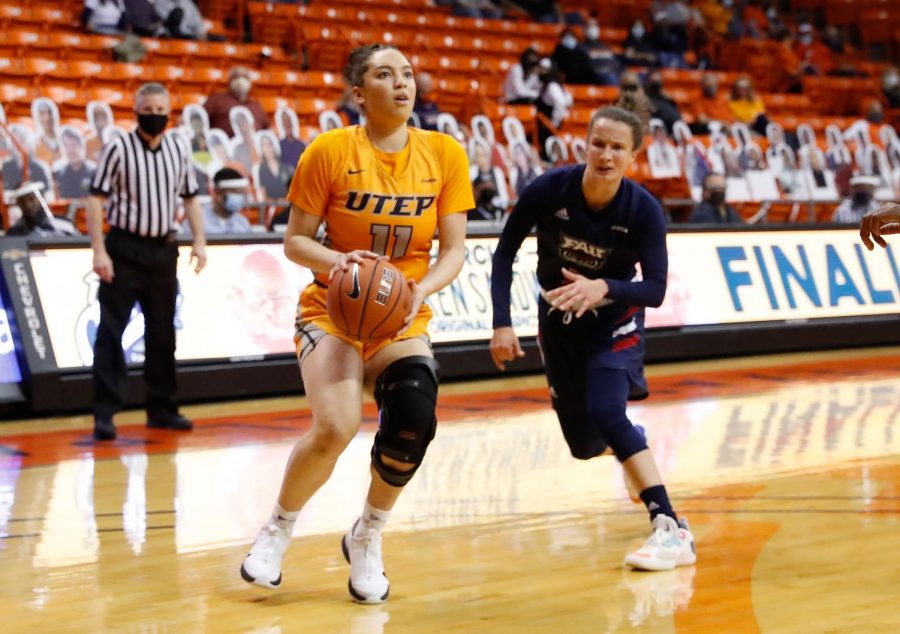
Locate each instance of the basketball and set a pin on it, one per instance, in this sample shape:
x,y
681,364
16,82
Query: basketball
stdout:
x,y
368,301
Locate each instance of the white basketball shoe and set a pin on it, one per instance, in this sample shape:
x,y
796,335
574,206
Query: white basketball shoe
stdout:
x,y
367,583
669,545
262,565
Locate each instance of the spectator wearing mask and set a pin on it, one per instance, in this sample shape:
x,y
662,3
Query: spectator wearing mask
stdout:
x,y
890,86
713,210
219,104
222,214
36,220
815,57
522,84
182,19
860,201
710,106
106,17
638,49
426,109
572,60
604,62
664,107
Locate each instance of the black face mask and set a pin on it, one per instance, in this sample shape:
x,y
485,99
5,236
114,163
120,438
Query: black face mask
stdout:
x,y
715,198
861,199
153,124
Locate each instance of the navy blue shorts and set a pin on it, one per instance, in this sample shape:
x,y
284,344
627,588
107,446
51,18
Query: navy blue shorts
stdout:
x,y
574,348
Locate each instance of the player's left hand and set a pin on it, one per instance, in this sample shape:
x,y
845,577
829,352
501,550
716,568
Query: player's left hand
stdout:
x,y
416,297
198,254
580,294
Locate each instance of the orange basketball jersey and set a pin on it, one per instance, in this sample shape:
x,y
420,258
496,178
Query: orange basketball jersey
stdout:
x,y
386,203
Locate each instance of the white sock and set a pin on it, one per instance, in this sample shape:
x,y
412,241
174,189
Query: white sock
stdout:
x,y
372,519
285,519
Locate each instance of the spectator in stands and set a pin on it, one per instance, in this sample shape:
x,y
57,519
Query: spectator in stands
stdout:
x,y
142,19
288,128
669,33
181,19
710,106
715,15
638,49
747,107
45,116
473,8
73,174
713,209
488,185
815,57
553,102
36,218
664,107
572,60
890,86
629,82
219,104
787,67
874,114
271,175
604,62
522,84
104,16
348,109
756,21
544,11
222,213
426,109
860,202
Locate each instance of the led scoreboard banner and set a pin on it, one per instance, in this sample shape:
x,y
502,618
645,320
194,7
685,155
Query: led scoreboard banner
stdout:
x,y
723,287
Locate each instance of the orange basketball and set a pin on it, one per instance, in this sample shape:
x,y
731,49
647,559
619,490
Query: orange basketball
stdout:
x,y
369,301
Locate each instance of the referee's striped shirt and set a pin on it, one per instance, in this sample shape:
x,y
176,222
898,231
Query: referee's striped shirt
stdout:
x,y
142,184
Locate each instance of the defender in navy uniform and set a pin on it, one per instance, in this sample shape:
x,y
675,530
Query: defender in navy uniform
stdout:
x,y
593,227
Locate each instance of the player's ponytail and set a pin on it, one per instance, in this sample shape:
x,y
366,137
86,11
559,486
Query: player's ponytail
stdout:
x,y
632,109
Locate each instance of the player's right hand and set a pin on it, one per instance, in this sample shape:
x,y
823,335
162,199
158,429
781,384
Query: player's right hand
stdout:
x,y
505,346
103,266
346,259
883,221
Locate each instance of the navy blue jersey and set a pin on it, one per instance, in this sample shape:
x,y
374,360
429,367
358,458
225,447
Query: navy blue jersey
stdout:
x,y
597,243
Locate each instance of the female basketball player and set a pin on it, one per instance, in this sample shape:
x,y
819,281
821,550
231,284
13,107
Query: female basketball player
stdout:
x,y
381,189
593,226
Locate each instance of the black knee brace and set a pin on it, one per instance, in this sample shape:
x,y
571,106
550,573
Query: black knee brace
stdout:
x,y
406,394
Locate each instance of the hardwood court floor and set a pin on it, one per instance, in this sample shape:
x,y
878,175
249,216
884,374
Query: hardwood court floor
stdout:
x,y
787,467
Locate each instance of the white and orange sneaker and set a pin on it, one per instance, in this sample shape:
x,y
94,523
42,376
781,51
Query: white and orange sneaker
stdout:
x,y
669,545
362,550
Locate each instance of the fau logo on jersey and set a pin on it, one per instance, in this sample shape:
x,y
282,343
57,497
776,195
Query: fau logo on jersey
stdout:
x,y
386,205
582,252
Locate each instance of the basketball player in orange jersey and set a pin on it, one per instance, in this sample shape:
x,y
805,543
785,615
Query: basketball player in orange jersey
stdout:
x,y
381,189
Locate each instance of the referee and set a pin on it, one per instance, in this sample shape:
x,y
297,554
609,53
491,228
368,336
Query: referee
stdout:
x,y
141,175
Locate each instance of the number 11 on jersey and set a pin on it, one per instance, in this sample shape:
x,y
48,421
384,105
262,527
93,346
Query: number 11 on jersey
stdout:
x,y
381,236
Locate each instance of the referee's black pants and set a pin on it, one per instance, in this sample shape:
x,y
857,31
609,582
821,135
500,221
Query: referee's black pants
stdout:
x,y
144,272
